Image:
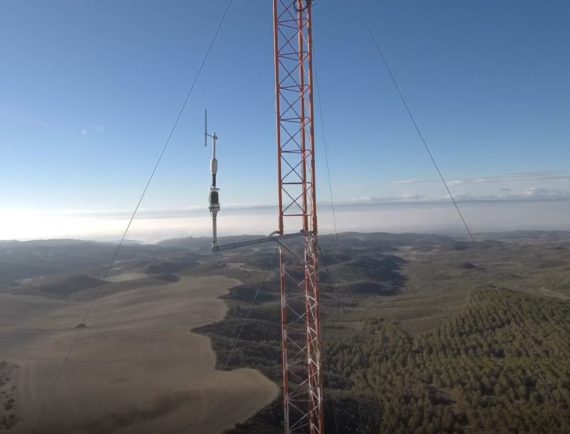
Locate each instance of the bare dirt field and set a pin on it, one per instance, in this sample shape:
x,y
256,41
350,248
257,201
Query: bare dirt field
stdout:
x,y
136,367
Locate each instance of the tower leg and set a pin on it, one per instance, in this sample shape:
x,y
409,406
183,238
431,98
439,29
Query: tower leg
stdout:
x,y
315,406
283,292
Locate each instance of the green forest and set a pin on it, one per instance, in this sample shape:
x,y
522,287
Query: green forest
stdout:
x,y
500,366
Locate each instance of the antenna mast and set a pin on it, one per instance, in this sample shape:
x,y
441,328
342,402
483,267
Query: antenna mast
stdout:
x,y
214,197
300,318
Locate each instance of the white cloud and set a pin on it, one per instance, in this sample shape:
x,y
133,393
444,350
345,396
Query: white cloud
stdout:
x,y
544,193
529,194
547,175
413,181
405,197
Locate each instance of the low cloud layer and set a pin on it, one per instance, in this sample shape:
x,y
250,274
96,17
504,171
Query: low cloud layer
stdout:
x,y
152,226
547,175
538,185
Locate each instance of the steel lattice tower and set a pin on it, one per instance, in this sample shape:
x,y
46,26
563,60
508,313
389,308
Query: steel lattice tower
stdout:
x,y
300,321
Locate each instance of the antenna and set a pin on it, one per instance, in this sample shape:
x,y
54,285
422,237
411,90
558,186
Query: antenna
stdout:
x,y
212,136
214,197
205,128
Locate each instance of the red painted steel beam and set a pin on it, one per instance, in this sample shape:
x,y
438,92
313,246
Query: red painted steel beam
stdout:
x,y
297,200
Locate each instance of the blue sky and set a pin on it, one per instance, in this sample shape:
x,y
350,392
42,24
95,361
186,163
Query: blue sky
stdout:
x,y
89,91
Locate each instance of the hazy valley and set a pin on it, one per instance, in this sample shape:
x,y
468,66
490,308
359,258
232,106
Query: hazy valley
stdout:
x,y
422,334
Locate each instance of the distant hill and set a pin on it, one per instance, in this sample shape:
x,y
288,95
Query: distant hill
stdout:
x,y
377,240
21,260
529,237
67,287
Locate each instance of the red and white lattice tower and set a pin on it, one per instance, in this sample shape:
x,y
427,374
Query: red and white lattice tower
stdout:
x,y
300,322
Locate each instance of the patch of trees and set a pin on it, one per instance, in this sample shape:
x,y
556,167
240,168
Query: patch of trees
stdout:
x,y
259,342
8,417
254,293
502,365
